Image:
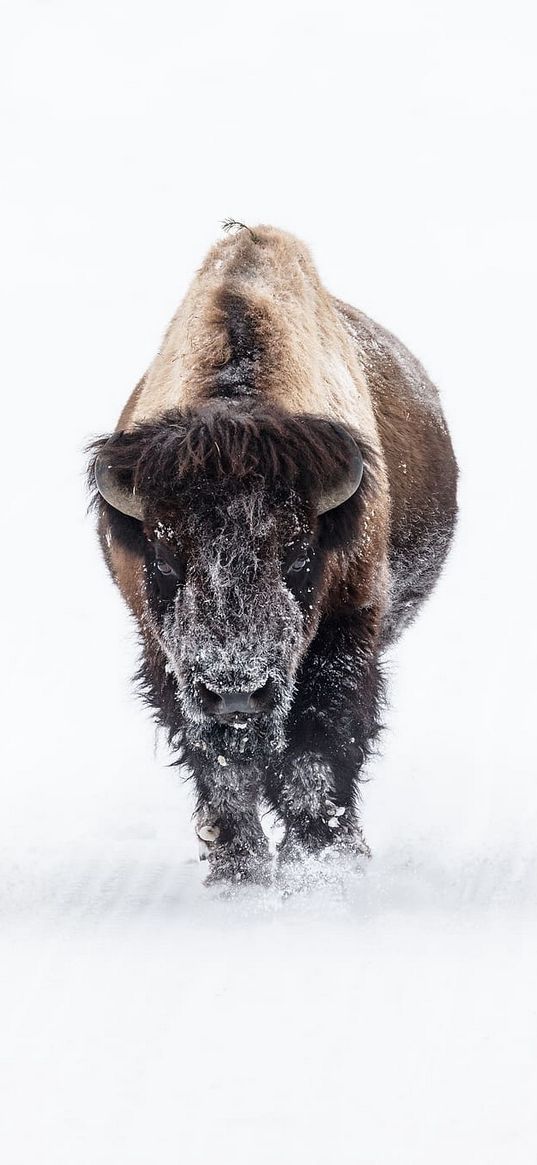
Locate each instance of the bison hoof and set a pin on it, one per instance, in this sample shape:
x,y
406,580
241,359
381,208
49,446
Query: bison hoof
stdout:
x,y
241,857
238,868
332,836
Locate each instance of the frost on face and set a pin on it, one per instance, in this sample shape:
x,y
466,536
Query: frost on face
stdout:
x,y
235,625
164,532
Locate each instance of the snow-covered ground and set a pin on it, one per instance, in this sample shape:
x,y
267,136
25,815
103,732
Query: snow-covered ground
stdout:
x,y
388,1016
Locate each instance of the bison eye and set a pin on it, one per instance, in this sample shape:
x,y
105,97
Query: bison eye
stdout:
x,y
164,567
297,566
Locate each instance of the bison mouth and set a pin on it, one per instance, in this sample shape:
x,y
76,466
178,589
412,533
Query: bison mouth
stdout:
x,y
237,734
239,741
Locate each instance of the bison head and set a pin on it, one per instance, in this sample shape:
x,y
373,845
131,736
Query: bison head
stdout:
x,y
236,509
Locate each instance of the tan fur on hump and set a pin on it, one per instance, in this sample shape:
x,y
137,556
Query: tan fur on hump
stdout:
x,y
309,362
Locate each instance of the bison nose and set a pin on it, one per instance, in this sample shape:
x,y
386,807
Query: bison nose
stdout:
x,y
227,704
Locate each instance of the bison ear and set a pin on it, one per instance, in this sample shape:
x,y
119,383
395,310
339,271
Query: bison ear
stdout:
x,y
115,479
343,482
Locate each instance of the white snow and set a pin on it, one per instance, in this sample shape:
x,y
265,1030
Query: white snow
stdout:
x,y
381,1017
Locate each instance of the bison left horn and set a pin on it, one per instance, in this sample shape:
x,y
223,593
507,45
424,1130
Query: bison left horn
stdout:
x,y
118,495
339,491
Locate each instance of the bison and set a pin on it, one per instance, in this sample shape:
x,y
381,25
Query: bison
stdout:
x,y
275,504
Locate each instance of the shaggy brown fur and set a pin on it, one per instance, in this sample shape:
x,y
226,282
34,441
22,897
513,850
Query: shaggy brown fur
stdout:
x,y
256,363
256,443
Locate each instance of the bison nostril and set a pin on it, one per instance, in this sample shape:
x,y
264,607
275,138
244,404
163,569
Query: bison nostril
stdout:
x,y
262,696
227,703
210,699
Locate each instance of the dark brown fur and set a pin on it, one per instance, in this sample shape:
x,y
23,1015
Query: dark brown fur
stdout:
x,y
257,371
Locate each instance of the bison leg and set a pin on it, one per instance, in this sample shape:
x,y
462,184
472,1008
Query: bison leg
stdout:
x,y
228,828
317,806
334,720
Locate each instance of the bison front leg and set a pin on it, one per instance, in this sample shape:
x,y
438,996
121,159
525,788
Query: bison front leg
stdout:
x,y
334,720
318,804
227,824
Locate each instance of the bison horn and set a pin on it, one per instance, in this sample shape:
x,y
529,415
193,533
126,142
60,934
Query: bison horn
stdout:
x,y
339,491
121,497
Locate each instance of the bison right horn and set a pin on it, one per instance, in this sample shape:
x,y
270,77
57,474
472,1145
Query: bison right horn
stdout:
x,y
337,492
118,495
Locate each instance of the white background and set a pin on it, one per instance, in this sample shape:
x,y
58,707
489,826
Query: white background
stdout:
x,y
388,1018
